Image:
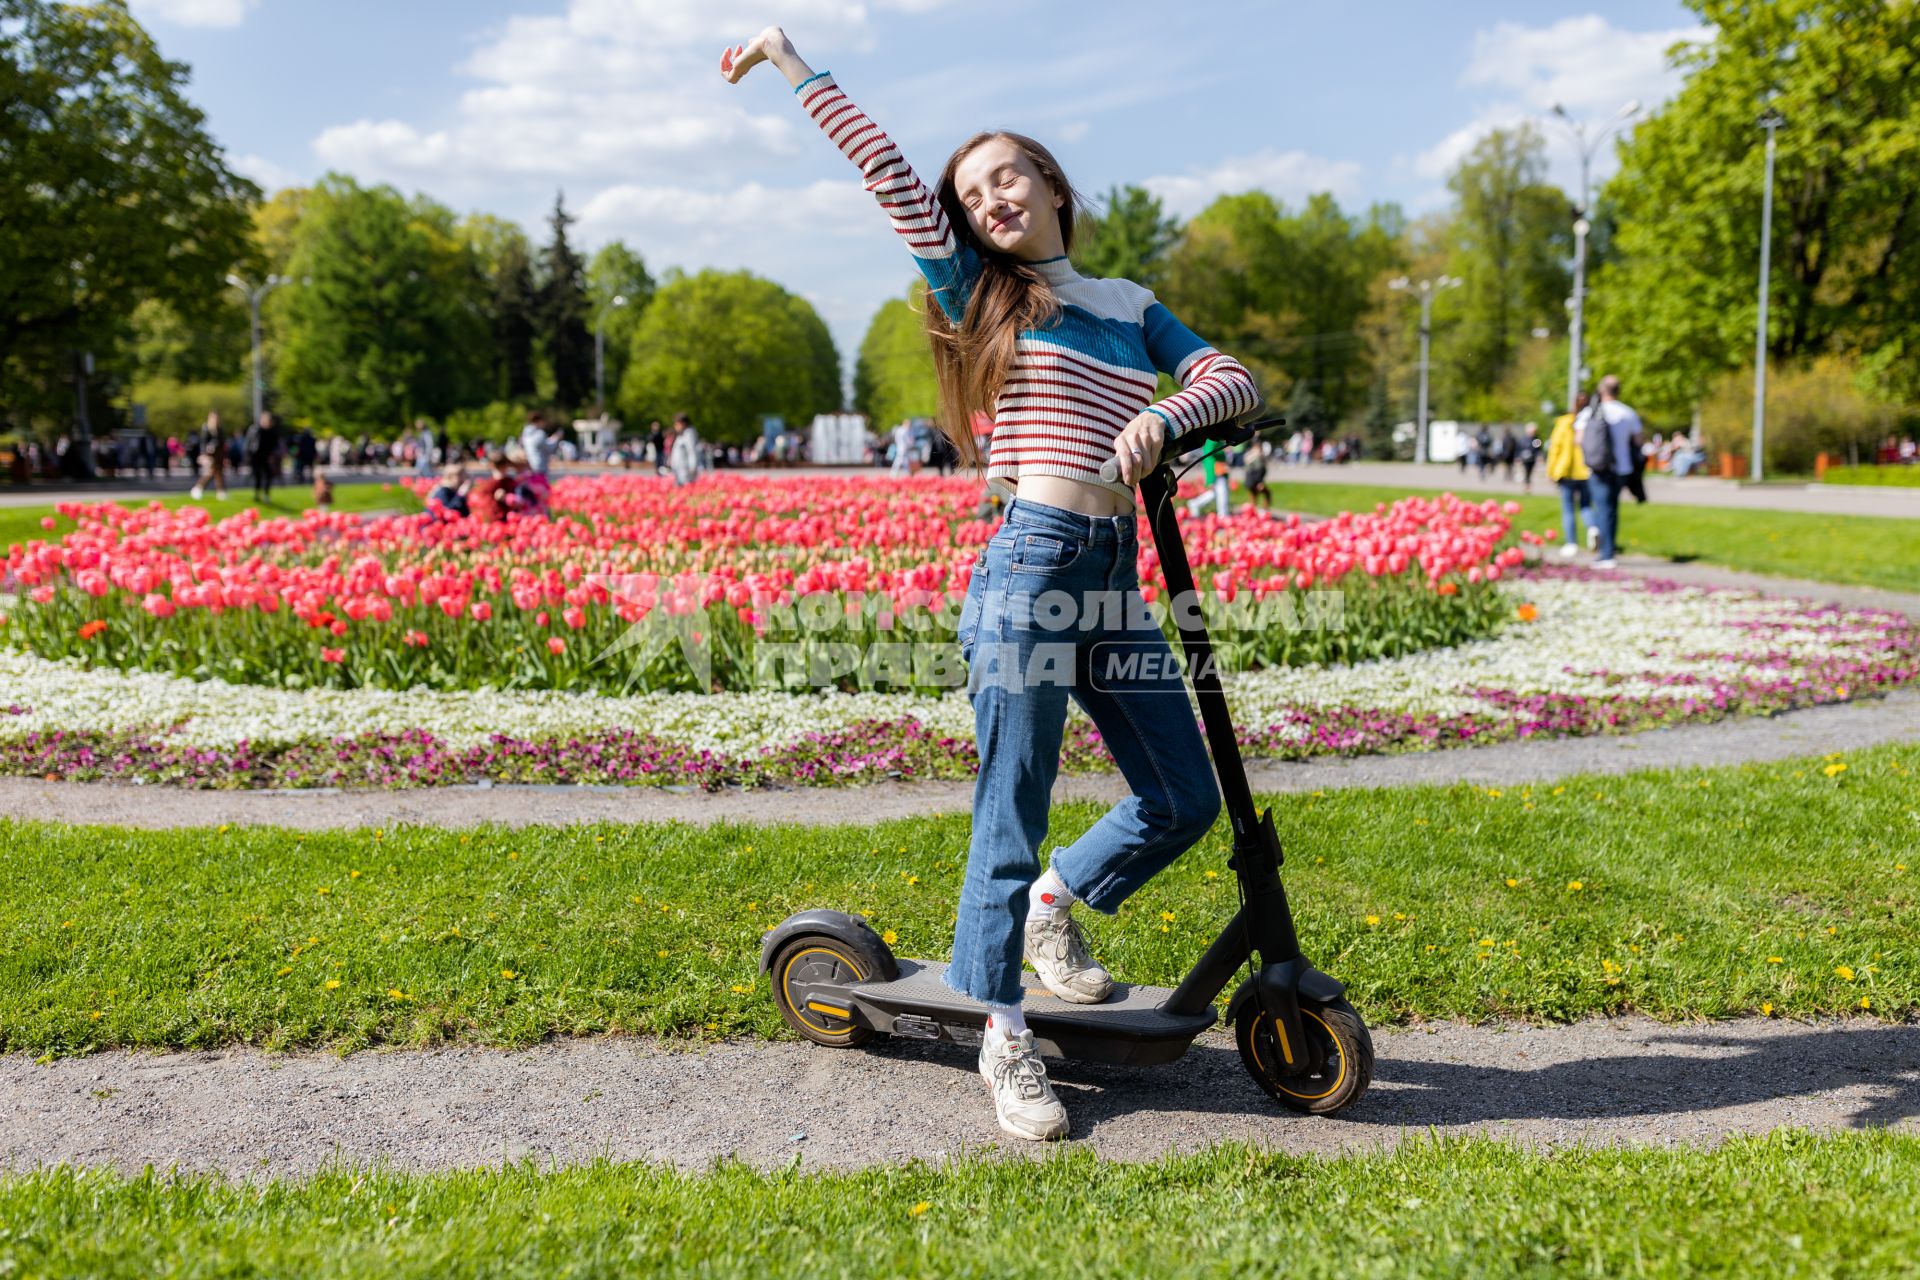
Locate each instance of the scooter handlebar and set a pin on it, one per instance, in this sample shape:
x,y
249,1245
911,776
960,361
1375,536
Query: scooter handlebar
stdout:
x,y
1230,432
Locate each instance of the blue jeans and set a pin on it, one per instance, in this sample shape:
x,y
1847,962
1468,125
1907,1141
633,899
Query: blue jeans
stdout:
x,y
1605,491
1573,496
1054,610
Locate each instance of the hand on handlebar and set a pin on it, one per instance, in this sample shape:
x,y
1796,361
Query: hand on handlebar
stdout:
x,y
1136,450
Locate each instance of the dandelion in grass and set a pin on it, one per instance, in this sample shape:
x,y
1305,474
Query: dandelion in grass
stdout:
x,y
285,969
509,974
1372,920
1512,883
918,1209
662,953
1215,875
889,937
1843,972
1766,1009
395,993
1575,886
1167,916
333,984
1776,959
1865,1003
741,991
1835,770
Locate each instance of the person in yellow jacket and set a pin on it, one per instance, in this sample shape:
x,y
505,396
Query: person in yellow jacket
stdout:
x,y
1568,469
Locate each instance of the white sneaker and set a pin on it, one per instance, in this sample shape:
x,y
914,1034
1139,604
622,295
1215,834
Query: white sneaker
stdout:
x,y
1593,538
1568,551
1603,564
1059,955
1022,1095
195,493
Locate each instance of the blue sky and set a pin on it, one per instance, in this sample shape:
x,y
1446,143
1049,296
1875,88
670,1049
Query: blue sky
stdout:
x,y
493,104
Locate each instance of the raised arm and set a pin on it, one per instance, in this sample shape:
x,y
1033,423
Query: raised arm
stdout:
x,y
914,209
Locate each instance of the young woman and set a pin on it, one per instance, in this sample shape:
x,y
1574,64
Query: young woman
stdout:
x,y
1065,365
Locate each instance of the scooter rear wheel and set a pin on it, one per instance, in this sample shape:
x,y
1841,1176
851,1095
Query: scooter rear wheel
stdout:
x,y
818,958
1345,1047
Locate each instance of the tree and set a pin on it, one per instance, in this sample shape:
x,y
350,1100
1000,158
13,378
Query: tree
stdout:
x,y
515,316
617,271
390,320
113,193
726,347
1680,308
1129,241
1287,293
505,263
1510,244
563,313
893,375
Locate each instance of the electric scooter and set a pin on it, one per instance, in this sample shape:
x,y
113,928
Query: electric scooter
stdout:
x,y
836,983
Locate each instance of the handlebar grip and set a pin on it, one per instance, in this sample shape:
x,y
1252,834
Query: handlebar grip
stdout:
x,y
1229,431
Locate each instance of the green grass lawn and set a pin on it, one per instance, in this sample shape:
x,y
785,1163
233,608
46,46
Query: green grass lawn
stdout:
x,y
21,524
1875,551
1787,888
1784,1205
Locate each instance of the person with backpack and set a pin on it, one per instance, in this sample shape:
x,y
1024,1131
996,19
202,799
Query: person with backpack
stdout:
x,y
1609,444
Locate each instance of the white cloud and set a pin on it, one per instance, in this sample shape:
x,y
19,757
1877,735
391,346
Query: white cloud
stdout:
x,y
271,176
1585,64
194,13
1287,175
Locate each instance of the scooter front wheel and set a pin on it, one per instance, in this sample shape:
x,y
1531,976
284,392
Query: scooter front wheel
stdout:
x,y
817,958
1345,1049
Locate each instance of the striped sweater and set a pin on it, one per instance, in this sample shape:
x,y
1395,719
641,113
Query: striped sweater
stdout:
x,y
1075,384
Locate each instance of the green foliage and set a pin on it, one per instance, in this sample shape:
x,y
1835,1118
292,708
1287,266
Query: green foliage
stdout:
x,y
1286,293
113,193
617,271
726,347
1902,477
1509,239
563,320
207,345
1740,864
497,423
177,408
1789,1203
893,375
1129,241
390,320
1817,407
1681,306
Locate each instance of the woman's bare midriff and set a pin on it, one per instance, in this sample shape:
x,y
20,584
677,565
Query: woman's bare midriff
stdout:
x,y
1073,495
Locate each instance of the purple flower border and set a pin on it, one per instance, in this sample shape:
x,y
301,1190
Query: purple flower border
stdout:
x,y
1886,656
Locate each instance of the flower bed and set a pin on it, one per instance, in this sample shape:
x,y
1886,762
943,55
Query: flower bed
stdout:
x,y
1597,655
731,567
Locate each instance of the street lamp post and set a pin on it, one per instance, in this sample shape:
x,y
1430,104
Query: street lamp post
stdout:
x,y
254,296
600,352
1588,148
1771,122
1426,289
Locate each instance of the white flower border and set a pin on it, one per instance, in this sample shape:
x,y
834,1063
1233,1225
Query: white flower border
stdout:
x,y
1583,627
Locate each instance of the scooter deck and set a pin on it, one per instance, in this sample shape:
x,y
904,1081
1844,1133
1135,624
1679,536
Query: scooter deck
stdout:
x,y
1129,1027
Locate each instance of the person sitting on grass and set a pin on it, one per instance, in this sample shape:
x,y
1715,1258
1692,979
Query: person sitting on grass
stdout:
x,y
490,498
448,501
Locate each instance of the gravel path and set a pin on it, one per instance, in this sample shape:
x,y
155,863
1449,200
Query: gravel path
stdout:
x,y
1837,727
1625,1080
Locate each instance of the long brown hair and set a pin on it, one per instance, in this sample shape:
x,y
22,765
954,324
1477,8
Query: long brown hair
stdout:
x,y
971,359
